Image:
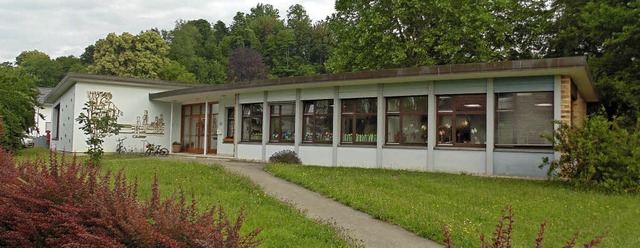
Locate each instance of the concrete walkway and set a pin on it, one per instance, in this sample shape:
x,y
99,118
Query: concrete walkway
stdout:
x,y
361,227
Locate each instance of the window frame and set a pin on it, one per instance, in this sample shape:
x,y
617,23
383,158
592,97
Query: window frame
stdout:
x,y
279,117
354,115
521,146
230,121
456,99
249,117
314,116
400,113
55,134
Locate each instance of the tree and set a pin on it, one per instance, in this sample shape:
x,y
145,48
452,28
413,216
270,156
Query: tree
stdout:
x,y
71,64
47,72
609,33
406,33
99,121
17,104
174,71
140,56
246,64
87,56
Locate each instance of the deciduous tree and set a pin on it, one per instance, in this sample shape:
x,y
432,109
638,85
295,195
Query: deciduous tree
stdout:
x,y
19,98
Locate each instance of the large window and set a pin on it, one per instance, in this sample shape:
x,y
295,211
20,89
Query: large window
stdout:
x,y
522,117
359,121
252,122
230,123
462,120
55,133
282,122
318,121
407,120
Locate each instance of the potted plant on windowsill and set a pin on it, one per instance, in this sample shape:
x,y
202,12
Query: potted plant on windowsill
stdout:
x,y
228,140
176,146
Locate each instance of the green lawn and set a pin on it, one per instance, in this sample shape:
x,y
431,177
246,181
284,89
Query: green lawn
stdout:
x,y
470,205
281,224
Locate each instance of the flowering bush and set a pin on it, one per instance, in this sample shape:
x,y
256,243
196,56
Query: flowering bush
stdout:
x,y
65,204
285,156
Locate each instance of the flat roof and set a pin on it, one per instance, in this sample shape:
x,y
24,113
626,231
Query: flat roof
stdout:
x,y
71,78
575,67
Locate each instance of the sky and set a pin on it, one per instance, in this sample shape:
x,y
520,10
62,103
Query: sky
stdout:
x,y
66,27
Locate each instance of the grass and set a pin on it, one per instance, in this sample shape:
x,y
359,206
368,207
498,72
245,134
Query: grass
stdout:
x,y
281,224
470,205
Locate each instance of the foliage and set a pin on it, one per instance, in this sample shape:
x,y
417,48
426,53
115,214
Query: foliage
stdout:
x,y
281,224
62,203
17,104
419,201
608,32
97,123
246,64
407,33
126,55
47,72
501,237
285,156
600,154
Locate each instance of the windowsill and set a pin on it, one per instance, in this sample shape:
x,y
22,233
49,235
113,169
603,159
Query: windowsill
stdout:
x,y
358,145
414,147
281,143
250,143
460,148
316,144
524,149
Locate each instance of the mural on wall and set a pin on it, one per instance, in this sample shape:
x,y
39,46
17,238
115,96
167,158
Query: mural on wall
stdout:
x,y
143,126
100,104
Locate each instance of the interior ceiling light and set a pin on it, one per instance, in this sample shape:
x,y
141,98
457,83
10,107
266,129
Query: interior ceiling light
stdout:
x,y
473,105
544,104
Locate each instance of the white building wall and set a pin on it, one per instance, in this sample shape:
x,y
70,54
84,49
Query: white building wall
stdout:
x,y
316,155
251,151
460,160
132,101
225,149
520,163
65,121
357,156
404,158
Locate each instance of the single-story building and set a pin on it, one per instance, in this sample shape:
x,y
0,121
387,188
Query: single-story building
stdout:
x,y
484,118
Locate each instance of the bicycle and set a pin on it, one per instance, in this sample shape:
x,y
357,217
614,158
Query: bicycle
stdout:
x,y
120,149
155,150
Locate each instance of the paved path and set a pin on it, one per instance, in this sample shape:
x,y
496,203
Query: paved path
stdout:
x,y
359,226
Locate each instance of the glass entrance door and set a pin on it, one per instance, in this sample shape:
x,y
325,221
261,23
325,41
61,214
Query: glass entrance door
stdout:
x,y
193,128
213,129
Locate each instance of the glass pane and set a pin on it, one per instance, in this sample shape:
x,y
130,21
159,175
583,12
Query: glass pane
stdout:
x,y
252,129
186,111
445,104
288,109
523,117
414,104
324,107
309,107
471,103
471,129
366,129
414,129
213,133
288,131
307,127
347,129
275,129
195,110
213,108
367,105
246,110
394,135
324,128
444,129
348,106
275,110
393,105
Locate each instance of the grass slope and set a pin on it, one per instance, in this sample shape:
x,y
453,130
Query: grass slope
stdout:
x,y
469,205
282,226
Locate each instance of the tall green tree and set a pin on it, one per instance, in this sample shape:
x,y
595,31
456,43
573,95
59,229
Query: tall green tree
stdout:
x,y
47,72
608,32
405,33
126,55
17,104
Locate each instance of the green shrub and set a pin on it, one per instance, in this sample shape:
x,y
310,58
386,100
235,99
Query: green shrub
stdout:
x,y
600,154
286,157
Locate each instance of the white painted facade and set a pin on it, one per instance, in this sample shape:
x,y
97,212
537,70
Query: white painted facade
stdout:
x,y
133,98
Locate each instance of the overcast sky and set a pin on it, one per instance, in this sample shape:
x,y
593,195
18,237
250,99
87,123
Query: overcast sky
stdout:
x,y
66,27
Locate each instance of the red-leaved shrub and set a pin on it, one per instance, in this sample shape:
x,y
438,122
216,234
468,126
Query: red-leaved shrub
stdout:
x,y
64,203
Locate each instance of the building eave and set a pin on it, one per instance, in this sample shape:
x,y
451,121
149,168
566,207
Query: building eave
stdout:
x,y
575,67
72,78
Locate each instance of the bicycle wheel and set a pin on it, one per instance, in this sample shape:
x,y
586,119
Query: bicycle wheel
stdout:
x,y
123,150
164,152
148,152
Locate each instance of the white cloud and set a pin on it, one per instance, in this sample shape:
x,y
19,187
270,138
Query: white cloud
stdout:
x,y
66,27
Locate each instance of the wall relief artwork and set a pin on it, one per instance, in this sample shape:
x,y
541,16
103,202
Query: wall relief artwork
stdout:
x,y
144,126
100,104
